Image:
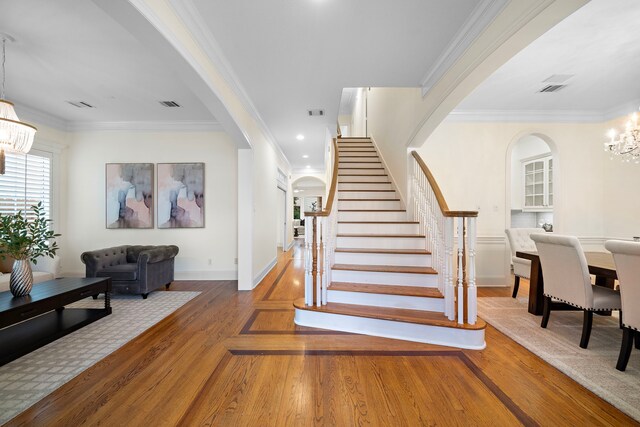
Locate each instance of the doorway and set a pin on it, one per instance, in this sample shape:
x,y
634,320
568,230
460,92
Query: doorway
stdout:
x,y
281,220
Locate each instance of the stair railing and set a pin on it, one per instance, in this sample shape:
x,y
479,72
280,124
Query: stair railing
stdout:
x,y
438,223
320,242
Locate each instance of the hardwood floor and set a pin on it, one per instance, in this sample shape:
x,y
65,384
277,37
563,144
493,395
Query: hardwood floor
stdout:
x,y
236,358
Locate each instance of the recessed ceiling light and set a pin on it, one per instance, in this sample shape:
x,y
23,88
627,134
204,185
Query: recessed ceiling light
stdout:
x,y
308,166
299,137
305,156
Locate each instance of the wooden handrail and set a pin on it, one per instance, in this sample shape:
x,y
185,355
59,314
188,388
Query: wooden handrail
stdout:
x,y
444,208
334,184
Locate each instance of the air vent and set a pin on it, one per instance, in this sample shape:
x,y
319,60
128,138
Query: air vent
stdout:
x,y
170,104
80,104
316,112
551,88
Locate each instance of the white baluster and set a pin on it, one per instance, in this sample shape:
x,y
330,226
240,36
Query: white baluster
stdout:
x,y
325,259
449,286
308,277
460,270
472,291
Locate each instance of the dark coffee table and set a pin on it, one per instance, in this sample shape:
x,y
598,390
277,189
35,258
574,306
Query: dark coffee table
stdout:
x,y
32,321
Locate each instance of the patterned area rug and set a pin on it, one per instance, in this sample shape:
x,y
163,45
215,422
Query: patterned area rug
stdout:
x,y
25,381
558,345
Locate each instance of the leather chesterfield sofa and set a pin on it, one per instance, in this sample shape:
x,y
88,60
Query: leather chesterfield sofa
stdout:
x,y
133,269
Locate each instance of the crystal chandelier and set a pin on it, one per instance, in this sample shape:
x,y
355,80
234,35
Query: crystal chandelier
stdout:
x,y
15,136
627,144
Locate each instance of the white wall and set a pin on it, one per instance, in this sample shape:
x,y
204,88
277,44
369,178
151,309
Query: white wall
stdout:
x,y
84,210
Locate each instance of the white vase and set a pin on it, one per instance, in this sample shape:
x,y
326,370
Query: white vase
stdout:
x,y
21,280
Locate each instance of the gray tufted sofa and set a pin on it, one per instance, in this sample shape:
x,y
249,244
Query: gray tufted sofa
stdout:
x,y
133,269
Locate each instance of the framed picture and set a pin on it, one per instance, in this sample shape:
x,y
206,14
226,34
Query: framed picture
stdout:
x,y
181,195
129,195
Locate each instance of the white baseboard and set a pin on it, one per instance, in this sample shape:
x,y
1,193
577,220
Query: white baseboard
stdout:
x,y
264,272
293,241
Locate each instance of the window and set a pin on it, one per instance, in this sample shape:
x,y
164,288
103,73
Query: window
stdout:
x,y
27,181
538,183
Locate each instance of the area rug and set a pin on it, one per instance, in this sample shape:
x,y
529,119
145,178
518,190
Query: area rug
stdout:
x,y
25,381
558,345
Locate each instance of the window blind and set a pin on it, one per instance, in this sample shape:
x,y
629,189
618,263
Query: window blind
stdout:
x,y
27,181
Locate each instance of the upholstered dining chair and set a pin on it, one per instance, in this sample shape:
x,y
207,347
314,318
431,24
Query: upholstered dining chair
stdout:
x,y
627,258
520,240
567,279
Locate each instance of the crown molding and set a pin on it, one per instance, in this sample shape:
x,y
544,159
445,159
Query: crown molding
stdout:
x,y
188,13
544,116
481,16
30,114
148,126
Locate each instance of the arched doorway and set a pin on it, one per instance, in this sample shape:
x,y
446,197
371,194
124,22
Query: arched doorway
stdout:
x,y
532,190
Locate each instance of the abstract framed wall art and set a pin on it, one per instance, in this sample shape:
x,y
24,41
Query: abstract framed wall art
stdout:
x,y
129,195
181,195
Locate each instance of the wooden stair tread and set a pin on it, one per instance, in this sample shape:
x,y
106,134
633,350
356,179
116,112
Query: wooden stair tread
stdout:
x,y
385,251
368,200
393,314
370,191
372,210
378,222
385,268
412,236
360,168
363,182
410,291
363,174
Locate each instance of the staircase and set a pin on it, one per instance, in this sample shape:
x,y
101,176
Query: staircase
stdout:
x,y
381,279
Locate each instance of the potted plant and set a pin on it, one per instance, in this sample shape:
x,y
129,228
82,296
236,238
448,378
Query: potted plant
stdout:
x,y
25,240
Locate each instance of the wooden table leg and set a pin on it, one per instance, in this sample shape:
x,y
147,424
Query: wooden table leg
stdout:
x,y
536,288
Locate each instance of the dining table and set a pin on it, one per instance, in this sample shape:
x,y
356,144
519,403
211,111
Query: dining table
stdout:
x,y
601,265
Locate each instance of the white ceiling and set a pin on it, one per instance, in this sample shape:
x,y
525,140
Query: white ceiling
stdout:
x,y
70,50
599,44
291,56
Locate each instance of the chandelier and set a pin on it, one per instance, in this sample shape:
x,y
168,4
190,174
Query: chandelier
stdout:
x,y
15,136
627,144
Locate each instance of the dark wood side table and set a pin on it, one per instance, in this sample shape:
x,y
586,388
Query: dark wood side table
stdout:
x,y
32,321
601,265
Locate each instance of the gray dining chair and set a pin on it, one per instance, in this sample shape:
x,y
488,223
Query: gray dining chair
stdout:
x,y
520,240
567,279
627,258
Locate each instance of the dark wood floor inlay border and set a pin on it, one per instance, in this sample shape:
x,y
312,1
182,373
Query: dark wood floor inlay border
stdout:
x,y
267,295
246,329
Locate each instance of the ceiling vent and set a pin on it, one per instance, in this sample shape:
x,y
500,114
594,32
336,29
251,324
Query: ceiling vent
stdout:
x,y
80,104
170,104
316,112
551,88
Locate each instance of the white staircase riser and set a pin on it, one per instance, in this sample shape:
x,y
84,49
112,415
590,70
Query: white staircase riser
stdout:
x,y
378,228
364,142
364,179
440,335
391,301
355,150
385,278
359,165
369,204
372,216
342,194
361,171
354,157
364,186
381,242
402,260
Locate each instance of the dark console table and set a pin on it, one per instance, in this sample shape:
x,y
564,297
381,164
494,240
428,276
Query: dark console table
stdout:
x,y
32,321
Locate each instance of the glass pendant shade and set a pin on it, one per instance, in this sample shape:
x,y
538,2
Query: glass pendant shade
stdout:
x,y
14,134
